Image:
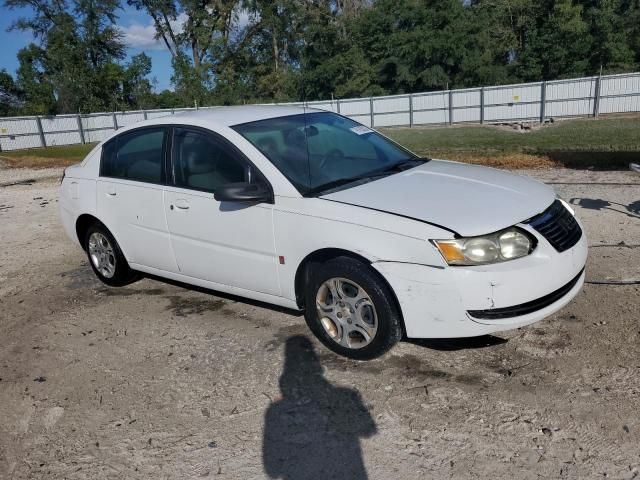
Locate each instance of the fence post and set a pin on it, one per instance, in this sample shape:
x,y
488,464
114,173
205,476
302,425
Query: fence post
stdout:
x,y
43,142
338,106
482,105
371,110
144,114
115,121
543,101
80,129
411,109
596,100
450,107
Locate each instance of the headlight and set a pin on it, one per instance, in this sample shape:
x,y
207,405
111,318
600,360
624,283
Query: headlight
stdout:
x,y
493,248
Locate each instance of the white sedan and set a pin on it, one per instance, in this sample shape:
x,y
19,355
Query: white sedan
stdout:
x,y
310,210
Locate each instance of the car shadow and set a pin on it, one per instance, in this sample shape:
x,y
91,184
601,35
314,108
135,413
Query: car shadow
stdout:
x,y
313,430
632,209
453,344
443,344
226,296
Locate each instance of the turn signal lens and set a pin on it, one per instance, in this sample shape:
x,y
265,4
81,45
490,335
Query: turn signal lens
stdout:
x,y
494,248
450,250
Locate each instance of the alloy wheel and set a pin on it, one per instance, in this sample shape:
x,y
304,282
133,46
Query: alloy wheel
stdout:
x,y
346,313
102,254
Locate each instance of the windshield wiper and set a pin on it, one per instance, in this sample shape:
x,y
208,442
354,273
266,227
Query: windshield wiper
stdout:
x,y
314,192
407,164
395,168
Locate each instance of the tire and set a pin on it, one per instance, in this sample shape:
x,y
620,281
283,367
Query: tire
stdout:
x,y
363,322
106,258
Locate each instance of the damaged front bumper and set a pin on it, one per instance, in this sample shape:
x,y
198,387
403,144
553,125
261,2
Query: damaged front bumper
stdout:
x,y
448,302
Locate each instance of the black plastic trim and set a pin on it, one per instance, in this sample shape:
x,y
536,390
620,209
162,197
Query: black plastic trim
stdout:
x,y
558,226
525,308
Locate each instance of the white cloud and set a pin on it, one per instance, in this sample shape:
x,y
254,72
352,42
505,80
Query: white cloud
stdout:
x,y
143,37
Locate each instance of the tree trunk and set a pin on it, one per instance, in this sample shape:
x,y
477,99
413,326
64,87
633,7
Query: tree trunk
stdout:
x,y
170,30
159,28
195,52
276,52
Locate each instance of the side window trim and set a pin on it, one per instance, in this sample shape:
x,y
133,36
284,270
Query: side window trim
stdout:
x,y
163,163
237,155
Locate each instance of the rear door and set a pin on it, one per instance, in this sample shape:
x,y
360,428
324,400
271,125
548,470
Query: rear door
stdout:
x,y
130,196
229,243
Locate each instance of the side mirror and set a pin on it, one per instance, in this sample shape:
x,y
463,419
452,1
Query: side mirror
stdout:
x,y
243,192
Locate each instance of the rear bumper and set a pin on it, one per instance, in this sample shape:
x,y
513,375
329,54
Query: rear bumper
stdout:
x,y
68,219
469,301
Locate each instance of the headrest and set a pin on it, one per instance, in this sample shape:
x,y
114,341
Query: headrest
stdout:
x,y
198,158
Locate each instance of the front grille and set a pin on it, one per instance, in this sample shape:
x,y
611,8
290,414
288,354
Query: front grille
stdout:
x,y
558,226
525,308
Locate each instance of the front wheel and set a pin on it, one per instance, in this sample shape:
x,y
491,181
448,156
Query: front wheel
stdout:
x,y
351,309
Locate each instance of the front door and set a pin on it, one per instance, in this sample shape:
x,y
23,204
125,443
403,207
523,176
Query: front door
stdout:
x,y
223,242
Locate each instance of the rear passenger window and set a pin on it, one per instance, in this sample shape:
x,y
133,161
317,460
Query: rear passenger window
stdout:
x,y
202,162
137,156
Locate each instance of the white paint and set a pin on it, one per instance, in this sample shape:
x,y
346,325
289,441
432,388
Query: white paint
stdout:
x,y
235,248
468,199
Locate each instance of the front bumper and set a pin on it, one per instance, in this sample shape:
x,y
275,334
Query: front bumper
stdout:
x,y
441,302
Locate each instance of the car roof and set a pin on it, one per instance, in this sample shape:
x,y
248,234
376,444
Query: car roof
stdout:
x,y
229,116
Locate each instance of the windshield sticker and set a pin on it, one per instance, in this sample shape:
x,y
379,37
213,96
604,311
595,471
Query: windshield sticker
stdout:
x,y
361,130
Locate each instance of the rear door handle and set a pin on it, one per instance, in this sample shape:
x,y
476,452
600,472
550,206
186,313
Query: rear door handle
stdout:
x,y
111,190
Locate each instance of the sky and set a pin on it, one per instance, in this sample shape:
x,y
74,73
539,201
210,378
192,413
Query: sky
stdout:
x,y
136,26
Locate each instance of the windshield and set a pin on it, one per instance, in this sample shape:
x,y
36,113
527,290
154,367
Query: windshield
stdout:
x,y
321,151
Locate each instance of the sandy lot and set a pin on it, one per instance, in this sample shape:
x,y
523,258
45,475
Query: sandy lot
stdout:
x,y
156,380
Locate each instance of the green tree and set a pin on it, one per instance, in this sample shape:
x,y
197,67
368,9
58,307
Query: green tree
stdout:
x,y
164,14
191,83
9,95
137,89
32,81
77,60
610,45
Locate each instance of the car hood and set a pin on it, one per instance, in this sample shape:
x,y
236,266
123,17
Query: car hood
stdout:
x,y
467,199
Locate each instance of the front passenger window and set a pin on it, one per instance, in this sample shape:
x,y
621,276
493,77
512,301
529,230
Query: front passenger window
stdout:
x,y
202,162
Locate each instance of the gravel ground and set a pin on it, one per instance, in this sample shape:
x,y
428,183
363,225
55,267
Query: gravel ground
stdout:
x,y
156,380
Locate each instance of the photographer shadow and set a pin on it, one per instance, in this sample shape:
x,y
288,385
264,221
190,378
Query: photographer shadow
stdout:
x,y
313,431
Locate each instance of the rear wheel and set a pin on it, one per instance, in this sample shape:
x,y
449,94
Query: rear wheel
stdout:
x,y
106,258
351,309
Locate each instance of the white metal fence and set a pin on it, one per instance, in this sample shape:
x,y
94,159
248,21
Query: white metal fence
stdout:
x,y
589,96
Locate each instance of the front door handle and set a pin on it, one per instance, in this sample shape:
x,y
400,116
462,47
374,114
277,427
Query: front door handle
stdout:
x,y
182,204
111,190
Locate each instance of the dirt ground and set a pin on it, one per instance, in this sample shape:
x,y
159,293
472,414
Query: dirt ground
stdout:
x,y
157,380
